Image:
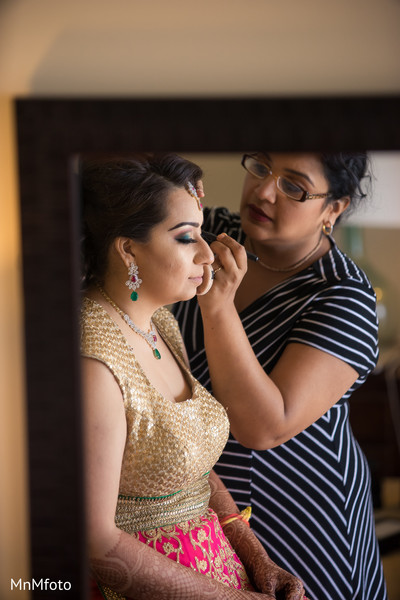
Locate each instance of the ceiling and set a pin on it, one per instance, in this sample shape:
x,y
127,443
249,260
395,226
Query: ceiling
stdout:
x,y
199,48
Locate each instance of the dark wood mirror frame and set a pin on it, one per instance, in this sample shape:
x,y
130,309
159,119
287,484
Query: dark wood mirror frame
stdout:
x,y
51,132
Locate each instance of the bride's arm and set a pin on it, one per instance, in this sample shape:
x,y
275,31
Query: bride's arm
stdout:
x,y
265,574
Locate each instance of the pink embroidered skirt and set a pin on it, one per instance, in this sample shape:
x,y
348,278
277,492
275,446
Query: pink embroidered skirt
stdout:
x,y
200,544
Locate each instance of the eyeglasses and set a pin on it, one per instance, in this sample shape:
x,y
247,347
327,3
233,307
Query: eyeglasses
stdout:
x,y
260,170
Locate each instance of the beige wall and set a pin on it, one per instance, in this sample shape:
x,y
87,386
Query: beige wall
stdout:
x,y
192,47
159,48
13,505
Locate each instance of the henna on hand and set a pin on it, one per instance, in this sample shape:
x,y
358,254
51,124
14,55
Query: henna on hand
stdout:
x,y
141,573
265,575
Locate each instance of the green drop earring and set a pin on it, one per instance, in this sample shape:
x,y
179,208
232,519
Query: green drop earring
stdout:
x,y
133,282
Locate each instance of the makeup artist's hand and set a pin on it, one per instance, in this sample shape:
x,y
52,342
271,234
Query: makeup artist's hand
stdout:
x,y
230,266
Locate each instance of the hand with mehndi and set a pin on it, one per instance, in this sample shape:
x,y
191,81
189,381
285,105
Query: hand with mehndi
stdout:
x,y
271,579
267,577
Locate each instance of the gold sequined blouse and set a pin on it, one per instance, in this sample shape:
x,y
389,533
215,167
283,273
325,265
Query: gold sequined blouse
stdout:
x,y
170,447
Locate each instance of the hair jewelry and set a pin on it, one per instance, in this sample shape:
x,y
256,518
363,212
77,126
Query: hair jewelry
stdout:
x,y
133,282
193,192
149,336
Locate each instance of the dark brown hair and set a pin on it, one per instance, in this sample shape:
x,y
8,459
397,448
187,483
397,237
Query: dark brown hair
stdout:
x,y
347,173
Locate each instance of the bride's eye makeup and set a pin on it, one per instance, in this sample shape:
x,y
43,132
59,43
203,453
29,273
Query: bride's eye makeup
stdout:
x,y
186,238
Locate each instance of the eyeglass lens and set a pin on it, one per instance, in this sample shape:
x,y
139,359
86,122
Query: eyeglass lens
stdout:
x,y
260,170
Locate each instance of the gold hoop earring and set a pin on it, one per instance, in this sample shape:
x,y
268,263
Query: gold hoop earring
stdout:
x,y
327,228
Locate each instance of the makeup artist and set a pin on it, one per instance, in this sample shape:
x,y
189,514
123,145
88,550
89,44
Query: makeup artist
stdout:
x,y
283,350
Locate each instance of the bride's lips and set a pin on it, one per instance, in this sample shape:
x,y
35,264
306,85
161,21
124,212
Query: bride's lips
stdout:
x,y
196,280
257,214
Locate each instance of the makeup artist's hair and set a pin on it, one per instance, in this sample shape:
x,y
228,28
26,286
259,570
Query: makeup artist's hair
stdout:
x,y
126,197
347,174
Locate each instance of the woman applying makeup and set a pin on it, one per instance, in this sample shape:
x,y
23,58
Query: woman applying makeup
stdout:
x,y
160,522
282,349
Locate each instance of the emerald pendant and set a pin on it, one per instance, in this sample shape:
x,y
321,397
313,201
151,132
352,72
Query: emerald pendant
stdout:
x,y
134,296
156,354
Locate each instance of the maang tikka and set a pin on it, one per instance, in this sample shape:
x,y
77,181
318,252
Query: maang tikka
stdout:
x,y
193,192
133,282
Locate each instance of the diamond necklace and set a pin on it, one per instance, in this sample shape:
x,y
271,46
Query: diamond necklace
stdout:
x,y
149,336
292,267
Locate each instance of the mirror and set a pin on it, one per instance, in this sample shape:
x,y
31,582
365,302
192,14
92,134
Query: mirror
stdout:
x,y
51,132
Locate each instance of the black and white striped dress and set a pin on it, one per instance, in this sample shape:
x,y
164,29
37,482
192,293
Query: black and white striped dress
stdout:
x,y
310,496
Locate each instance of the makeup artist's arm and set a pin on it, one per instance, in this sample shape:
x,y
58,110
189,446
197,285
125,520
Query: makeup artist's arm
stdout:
x,y
117,559
264,411
263,572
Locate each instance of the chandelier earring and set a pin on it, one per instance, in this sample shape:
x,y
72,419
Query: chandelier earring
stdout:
x,y
133,283
327,228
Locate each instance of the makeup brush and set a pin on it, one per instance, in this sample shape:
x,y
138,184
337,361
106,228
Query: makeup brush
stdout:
x,y
211,237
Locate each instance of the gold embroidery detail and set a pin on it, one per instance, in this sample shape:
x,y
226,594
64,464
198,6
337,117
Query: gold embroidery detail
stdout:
x,y
201,536
168,548
135,514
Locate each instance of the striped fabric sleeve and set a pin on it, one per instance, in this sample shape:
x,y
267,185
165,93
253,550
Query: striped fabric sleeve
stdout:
x,y
220,219
341,320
